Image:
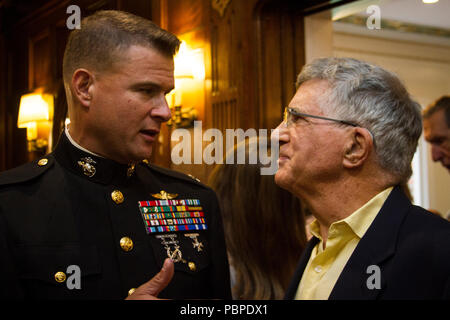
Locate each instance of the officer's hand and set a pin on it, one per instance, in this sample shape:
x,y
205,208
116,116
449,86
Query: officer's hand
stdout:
x,y
151,289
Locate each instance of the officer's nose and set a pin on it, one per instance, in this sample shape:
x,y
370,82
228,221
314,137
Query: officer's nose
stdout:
x,y
161,110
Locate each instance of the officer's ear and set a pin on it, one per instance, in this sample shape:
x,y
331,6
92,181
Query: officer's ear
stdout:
x,y
358,148
82,82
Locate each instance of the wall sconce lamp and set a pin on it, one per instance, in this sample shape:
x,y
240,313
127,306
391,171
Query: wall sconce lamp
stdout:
x,y
35,110
189,74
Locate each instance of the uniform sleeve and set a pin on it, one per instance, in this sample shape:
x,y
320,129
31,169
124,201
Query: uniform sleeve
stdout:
x,y
10,287
220,272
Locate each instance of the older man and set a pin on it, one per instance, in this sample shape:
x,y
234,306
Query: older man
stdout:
x,y
436,124
93,219
346,144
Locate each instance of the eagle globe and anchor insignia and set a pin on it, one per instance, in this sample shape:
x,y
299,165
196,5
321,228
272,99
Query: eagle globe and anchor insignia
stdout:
x,y
87,164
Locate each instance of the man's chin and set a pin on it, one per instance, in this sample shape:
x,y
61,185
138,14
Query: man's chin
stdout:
x,y
142,155
281,180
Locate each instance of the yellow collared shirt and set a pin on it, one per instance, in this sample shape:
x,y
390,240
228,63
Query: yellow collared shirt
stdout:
x,y
325,265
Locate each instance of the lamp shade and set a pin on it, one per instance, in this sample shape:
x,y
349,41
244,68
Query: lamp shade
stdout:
x,y
34,107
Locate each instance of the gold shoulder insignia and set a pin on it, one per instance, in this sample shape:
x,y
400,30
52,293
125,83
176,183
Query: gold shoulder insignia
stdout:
x,y
163,195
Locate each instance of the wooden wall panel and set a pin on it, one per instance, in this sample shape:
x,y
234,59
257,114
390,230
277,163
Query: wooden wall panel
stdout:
x,y
225,73
39,51
229,29
256,52
280,47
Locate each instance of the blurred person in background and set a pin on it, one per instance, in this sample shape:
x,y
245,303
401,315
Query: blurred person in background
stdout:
x,y
264,227
436,125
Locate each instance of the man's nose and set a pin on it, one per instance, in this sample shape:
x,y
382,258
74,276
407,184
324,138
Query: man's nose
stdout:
x,y
436,153
161,109
280,133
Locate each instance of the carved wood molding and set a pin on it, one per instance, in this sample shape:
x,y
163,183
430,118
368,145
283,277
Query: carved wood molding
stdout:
x,y
220,5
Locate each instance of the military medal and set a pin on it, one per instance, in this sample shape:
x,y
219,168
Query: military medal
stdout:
x,y
195,243
174,254
163,216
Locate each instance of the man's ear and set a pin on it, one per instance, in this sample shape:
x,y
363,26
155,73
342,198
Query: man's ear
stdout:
x,y
82,84
358,148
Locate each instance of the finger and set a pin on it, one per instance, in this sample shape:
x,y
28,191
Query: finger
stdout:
x,y
162,279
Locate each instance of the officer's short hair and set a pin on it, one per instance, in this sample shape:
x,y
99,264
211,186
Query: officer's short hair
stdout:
x,y
107,33
443,103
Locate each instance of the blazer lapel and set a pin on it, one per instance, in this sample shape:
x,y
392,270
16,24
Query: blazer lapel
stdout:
x,y
374,248
293,285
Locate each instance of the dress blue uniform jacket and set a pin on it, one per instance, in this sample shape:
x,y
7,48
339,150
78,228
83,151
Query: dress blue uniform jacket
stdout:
x,y
55,215
411,247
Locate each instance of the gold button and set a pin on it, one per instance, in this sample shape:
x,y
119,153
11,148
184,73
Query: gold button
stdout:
x,y
60,276
131,291
42,162
192,266
126,244
117,196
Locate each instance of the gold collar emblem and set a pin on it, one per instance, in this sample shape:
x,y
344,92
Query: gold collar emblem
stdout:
x,y
163,195
130,170
87,164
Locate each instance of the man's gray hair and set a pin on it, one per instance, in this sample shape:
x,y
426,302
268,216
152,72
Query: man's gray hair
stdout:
x,y
374,99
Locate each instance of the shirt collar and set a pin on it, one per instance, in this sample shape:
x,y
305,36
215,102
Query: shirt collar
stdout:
x,y
66,130
360,220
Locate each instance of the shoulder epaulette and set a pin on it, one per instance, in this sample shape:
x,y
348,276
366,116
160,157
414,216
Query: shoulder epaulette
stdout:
x,y
175,174
27,171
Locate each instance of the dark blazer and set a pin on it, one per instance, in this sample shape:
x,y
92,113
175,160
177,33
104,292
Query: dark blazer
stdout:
x,y
55,215
410,245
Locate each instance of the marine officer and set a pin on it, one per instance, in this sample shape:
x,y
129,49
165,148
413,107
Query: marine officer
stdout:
x,y
94,219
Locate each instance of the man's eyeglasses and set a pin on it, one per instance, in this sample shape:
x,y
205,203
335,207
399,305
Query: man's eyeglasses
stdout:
x,y
290,115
